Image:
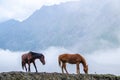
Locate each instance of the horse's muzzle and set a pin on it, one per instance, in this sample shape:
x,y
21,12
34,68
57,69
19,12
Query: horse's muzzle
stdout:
x,y
44,63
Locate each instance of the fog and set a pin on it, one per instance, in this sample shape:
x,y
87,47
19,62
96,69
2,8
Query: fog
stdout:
x,y
100,62
96,36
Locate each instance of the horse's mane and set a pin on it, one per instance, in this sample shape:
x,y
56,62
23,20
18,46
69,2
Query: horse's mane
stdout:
x,y
31,52
35,54
83,59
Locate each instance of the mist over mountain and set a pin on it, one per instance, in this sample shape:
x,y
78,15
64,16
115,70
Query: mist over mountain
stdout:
x,y
88,27
82,26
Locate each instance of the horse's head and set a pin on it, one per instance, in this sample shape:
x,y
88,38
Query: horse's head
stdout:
x,y
42,59
86,69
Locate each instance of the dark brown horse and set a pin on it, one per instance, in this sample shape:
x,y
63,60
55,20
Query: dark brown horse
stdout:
x,y
72,59
29,58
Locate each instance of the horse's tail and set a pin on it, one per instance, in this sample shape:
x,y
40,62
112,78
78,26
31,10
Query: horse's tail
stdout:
x,y
59,61
22,65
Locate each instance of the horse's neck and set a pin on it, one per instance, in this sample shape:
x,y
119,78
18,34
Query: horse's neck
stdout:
x,y
36,55
84,63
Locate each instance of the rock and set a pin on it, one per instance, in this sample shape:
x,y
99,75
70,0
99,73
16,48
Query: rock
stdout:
x,y
55,76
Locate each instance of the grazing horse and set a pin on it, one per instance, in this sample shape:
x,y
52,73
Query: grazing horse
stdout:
x,y
72,59
30,57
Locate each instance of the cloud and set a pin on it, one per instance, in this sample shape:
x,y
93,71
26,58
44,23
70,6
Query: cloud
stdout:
x,y
52,54
10,60
115,6
100,62
22,9
104,61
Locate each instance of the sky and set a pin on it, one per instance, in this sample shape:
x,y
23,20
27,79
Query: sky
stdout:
x,y
22,9
99,61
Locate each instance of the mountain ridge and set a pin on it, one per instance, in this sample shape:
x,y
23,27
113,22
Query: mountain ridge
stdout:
x,y
77,28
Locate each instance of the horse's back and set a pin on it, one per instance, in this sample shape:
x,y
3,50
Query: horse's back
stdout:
x,y
69,55
26,56
64,55
23,55
70,58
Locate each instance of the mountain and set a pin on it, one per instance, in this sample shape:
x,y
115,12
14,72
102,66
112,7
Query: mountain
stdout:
x,y
79,26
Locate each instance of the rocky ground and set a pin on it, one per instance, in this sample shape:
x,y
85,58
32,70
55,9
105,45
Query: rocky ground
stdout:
x,y
54,76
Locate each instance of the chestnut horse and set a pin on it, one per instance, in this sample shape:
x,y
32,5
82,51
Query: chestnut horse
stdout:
x,y
72,59
29,58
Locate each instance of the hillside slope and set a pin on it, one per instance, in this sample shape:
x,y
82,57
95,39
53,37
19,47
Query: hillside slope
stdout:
x,y
84,26
54,76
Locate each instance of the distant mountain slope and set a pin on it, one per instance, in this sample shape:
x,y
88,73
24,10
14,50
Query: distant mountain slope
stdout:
x,y
81,26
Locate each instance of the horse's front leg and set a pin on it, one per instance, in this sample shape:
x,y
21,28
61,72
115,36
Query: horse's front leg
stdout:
x,y
28,66
35,66
77,68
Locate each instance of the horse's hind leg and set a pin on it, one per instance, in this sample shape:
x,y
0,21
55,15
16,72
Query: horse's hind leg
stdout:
x,y
64,66
25,68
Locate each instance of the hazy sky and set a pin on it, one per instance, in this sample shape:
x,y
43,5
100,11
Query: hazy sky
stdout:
x,y
22,9
99,61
